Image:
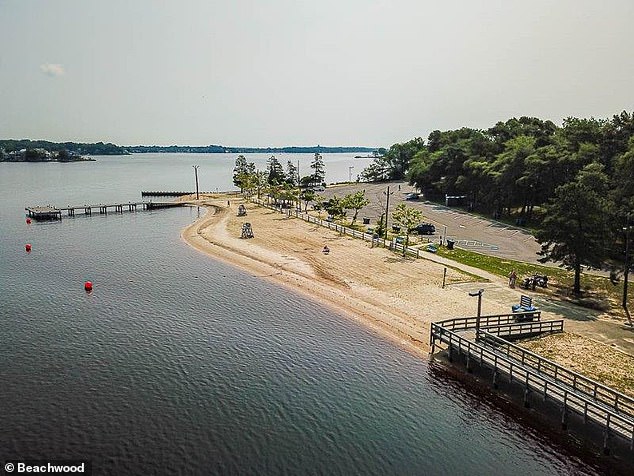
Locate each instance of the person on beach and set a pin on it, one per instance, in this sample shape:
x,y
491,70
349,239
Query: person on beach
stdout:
x,y
512,279
326,250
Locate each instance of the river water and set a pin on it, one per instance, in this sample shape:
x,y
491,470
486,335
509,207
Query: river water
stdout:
x,y
179,364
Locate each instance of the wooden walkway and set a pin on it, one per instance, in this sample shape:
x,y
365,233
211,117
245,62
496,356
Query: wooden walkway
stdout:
x,y
55,213
480,341
179,194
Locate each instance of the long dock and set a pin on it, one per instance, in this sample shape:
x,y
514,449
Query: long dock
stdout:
x,y
179,194
55,213
485,340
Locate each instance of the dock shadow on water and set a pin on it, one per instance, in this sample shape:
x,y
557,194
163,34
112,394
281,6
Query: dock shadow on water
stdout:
x,y
578,444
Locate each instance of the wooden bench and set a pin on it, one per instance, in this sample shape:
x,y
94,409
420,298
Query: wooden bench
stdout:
x,y
525,305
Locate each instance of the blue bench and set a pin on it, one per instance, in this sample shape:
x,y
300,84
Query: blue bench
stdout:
x,y
525,305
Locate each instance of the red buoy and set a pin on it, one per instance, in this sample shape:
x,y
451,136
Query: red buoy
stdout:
x,y
28,221
27,247
88,285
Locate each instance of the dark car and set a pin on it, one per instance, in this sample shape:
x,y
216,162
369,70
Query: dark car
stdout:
x,y
425,229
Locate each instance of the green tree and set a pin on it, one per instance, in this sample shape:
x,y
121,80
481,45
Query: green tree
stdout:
x,y
240,170
575,230
379,230
307,196
319,169
355,201
291,174
377,171
623,182
334,207
508,173
260,181
407,218
275,171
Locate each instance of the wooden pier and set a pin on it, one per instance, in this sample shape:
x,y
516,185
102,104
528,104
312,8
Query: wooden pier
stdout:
x,y
55,213
180,194
485,341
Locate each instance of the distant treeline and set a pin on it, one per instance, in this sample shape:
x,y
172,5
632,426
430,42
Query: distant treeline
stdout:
x,y
99,148
219,149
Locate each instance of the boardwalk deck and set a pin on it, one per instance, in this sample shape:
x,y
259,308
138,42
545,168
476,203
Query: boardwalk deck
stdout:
x,y
44,213
573,392
55,213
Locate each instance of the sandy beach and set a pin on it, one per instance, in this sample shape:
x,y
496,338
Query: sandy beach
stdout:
x,y
395,296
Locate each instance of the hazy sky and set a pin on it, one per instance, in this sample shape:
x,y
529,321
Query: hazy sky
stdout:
x,y
295,72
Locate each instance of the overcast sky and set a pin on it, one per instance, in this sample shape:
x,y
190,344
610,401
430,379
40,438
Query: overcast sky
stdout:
x,y
305,72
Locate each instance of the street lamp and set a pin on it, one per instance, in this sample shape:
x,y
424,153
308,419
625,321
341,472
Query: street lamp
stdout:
x,y
196,173
479,294
350,173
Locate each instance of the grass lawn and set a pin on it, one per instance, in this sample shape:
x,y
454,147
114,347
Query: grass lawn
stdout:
x,y
597,291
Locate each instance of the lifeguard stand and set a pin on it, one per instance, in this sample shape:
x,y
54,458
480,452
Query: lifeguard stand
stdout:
x,y
247,231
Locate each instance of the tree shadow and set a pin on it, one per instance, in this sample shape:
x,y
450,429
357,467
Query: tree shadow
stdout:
x,y
568,310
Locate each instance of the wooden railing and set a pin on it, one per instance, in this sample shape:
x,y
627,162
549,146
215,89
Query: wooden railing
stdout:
x,y
583,402
344,230
524,329
599,392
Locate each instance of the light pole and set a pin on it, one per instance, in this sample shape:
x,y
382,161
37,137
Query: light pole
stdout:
x,y
196,173
479,294
627,264
350,173
387,208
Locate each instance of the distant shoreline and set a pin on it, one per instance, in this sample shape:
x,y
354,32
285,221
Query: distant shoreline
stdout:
x,y
99,148
39,161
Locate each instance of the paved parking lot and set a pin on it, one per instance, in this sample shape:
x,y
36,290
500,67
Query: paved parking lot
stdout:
x,y
468,231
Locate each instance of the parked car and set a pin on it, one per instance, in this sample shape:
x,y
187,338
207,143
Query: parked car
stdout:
x,y
412,196
425,229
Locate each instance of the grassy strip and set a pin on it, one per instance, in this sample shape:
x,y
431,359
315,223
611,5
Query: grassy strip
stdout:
x,y
597,291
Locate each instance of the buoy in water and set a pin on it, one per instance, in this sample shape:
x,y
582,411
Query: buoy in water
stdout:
x,y
88,285
27,247
28,221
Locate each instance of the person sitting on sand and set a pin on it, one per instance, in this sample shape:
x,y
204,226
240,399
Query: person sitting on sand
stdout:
x,y
326,250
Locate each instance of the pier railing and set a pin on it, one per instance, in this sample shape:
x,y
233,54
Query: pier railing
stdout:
x,y
599,392
618,422
51,212
466,323
168,193
524,329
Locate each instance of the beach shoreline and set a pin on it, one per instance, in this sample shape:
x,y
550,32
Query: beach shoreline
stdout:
x,y
288,252
394,297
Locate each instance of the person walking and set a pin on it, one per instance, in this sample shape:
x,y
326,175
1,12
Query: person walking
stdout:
x,y
512,279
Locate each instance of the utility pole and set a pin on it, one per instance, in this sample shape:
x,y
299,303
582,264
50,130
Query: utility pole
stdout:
x,y
196,172
626,272
299,191
387,208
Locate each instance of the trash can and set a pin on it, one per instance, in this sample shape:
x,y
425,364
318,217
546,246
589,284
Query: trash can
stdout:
x,y
366,221
450,244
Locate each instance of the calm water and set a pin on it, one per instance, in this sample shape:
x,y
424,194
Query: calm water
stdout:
x,y
178,364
